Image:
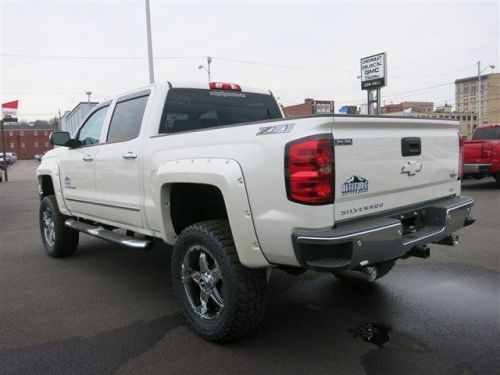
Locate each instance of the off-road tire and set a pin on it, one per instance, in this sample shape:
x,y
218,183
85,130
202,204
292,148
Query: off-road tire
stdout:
x,y
243,288
65,240
383,269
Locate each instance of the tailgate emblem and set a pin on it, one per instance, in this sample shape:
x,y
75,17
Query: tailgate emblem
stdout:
x,y
411,167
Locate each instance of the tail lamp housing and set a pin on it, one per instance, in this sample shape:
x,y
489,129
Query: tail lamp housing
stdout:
x,y
486,150
310,170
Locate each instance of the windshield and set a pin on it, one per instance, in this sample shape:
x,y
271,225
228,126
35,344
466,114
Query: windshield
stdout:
x,y
487,133
195,109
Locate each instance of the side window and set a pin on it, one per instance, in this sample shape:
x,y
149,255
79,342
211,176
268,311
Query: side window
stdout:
x,y
127,118
90,132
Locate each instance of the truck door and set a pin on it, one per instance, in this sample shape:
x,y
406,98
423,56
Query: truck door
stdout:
x,y
77,166
118,161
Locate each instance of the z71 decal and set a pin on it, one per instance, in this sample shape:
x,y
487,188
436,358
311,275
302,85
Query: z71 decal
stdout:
x,y
276,129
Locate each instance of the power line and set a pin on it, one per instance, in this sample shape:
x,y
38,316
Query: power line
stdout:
x,y
442,74
136,58
114,58
284,66
412,93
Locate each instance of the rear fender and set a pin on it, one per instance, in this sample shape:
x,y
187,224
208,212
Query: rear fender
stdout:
x,y
227,176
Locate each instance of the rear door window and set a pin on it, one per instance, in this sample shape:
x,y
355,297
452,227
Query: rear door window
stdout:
x,y
196,109
127,118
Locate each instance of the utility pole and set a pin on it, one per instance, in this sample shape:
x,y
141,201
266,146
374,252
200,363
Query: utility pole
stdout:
x,y
209,61
479,99
4,155
150,44
88,93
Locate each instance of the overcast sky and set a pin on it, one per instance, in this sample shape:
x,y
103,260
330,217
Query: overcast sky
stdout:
x,y
428,44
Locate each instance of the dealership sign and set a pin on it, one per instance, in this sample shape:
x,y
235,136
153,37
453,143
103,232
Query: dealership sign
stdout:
x,y
9,111
374,71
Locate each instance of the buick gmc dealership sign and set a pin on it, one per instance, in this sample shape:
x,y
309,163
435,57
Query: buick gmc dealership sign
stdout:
x,y
373,71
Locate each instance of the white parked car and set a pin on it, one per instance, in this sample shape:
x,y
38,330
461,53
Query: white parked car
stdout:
x,y
12,156
217,172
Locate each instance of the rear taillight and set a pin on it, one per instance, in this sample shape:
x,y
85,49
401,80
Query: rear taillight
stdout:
x,y
460,157
486,150
310,170
224,86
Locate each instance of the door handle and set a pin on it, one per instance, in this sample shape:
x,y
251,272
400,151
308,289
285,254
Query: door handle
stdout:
x,y
88,158
130,155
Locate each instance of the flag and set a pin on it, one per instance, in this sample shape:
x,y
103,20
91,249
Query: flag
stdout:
x,y
9,111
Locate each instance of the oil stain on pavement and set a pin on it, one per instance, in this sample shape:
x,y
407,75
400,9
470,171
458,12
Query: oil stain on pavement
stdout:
x,y
374,333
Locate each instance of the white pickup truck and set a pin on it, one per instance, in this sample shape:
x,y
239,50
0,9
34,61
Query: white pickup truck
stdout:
x,y
217,172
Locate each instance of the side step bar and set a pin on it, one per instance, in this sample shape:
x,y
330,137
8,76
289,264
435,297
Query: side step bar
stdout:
x,y
108,235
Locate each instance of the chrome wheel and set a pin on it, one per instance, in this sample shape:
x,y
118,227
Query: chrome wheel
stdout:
x,y
202,280
49,231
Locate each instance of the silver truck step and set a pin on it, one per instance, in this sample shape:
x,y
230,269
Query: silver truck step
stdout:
x,y
108,235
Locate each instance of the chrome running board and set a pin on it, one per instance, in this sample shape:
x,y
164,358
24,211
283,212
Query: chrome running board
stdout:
x,y
108,235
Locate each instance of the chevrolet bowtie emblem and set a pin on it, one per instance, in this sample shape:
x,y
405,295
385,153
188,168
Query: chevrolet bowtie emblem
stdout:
x,y
411,167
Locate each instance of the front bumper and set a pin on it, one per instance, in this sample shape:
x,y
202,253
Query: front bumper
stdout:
x,y
379,239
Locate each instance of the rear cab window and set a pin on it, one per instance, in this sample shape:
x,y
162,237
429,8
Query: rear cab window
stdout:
x,y
487,133
197,109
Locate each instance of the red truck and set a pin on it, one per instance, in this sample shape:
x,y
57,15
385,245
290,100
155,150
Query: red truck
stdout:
x,y
482,153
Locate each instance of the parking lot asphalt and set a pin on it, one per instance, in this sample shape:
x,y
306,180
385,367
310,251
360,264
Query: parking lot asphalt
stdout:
x,y
110,309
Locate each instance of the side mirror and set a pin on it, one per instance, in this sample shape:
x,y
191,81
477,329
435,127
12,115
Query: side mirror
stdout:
x,y
60,138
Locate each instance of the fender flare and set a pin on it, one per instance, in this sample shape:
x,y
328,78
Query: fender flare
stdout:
x,y
227,176
51,168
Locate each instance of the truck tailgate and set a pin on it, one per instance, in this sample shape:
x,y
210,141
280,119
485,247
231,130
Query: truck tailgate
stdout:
x,y
388,163
472,151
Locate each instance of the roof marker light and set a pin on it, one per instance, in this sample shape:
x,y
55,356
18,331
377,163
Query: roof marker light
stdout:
x,y
224,86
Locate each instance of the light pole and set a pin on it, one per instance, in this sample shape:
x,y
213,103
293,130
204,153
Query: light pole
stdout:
x,y
4,161
88,93
479,92
209,61
150,44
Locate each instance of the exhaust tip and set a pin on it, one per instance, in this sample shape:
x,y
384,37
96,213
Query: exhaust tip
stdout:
x,y
366,274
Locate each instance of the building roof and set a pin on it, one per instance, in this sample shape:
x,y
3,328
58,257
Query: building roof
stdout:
x,y
67,113
474,78
24,126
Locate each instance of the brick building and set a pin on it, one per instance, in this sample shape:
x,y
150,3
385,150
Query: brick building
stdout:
x,y
466,100
416,107
25,140
468,121
310,107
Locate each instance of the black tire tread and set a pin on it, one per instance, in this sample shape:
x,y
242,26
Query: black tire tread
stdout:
x,y
251,285
66,241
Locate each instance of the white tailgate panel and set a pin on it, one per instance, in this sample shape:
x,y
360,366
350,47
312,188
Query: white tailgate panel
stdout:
x,y
375,156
